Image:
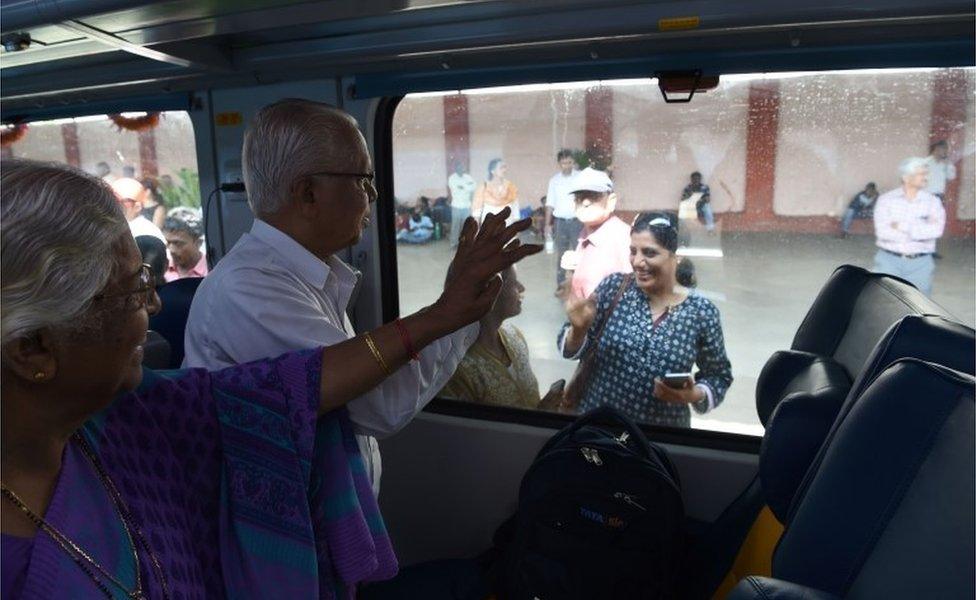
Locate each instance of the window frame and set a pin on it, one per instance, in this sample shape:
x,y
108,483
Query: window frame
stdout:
x,y
390,302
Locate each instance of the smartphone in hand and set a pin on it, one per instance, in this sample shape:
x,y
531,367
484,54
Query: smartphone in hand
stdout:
x,y
676,380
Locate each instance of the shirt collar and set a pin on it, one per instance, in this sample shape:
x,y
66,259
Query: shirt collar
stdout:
x,y
305,264
604,233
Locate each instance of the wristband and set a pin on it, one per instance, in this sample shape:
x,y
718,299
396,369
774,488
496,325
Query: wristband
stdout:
x,y
405,338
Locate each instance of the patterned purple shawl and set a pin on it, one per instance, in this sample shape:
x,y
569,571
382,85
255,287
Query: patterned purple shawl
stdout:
x,y
240,489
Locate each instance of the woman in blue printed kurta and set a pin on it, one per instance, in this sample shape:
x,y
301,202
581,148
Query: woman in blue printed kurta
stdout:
x,y
656,328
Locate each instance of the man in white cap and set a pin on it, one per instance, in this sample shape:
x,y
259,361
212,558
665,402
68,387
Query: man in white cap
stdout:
x,y
131,195
604,242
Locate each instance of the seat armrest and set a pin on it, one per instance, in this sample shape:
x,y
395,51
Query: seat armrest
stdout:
x,y
766,588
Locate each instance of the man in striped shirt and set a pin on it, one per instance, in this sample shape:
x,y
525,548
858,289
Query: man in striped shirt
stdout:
x,y
907,222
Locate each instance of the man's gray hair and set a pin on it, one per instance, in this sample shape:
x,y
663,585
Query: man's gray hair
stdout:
x,y
909,166
58,230
288,140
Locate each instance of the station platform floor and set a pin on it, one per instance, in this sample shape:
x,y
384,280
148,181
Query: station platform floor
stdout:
x,y
762,283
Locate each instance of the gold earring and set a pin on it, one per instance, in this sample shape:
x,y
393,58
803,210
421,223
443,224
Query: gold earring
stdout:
x,y
39,375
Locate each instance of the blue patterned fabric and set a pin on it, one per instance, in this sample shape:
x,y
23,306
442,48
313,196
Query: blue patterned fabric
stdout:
x,y
631,353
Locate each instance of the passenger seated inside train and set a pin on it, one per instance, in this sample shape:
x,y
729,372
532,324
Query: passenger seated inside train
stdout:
x,y
496,369
310,186
176,484
639,328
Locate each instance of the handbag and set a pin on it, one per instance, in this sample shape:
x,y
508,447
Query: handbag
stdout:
x,y
576,388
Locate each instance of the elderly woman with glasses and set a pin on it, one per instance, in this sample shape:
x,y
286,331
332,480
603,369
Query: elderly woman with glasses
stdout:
x,y
122,482
638,327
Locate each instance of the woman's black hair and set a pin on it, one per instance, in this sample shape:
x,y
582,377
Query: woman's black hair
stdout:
x,y
491,166
685,273
661,225
153,252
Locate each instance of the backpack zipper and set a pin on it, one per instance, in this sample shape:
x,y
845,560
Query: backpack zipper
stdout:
x,y
629,500
591,456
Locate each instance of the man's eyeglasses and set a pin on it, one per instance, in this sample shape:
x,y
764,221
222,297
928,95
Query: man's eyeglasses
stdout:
x,y
365,179
145,291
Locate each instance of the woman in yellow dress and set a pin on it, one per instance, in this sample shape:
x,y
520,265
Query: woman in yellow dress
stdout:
x,y
496,193
496,368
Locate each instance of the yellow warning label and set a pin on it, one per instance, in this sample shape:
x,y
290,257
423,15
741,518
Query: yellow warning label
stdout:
x,y
678,23
227,119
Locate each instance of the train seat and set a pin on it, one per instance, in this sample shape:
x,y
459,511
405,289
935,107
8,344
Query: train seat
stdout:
x,y
176,297
799,394
156,352
888,509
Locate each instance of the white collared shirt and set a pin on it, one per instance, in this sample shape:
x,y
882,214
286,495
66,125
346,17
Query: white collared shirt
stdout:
x,y
462,189
143,226
270,295
560,197
941,172
918,223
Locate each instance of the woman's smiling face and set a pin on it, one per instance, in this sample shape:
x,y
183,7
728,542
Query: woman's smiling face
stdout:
x,y
653,264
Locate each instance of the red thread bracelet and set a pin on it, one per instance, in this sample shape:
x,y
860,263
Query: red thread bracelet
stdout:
x,y
405,338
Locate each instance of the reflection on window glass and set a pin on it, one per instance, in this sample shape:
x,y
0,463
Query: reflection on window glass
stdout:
x,y
682,239
151,163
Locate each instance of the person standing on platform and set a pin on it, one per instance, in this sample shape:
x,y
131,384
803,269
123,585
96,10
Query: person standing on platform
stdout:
x,y
461,185
604,243
561,211
941,172
907,222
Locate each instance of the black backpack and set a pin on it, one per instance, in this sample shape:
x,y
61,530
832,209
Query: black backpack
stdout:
x,y
599,516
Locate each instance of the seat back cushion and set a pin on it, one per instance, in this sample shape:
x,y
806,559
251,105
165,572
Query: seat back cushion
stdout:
x,y
889,510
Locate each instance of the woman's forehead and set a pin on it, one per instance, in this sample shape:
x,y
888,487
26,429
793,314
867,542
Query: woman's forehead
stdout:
x,y
644,239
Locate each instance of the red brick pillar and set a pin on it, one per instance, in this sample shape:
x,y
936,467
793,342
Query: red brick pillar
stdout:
x,y
598,133
762,133
148,163
72,151
950,93
457,135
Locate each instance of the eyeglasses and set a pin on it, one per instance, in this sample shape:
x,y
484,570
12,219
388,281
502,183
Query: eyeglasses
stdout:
x,y
147,287
365,178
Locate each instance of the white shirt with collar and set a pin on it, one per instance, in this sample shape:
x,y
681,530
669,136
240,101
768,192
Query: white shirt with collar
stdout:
x,y
270,295
941,172
143,226
560,197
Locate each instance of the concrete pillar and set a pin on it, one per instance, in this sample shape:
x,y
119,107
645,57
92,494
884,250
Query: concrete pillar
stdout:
x,y
949,98
457,134
72,151
598,133
148,163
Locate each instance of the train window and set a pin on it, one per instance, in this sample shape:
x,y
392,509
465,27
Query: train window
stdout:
x,y
148,157
764,185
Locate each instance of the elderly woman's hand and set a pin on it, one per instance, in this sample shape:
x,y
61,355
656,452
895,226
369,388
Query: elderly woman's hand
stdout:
x,y
688,393
473,281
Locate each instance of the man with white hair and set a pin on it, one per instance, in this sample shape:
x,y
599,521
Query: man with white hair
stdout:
x,y
309,181
907,222
131,195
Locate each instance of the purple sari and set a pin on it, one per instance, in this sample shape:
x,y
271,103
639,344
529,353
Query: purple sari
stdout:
x,y
237,486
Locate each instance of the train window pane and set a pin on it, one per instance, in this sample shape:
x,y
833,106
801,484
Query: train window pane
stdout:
x,y
151,157
767,178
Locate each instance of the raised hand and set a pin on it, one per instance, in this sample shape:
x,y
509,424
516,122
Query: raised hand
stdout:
x,y
473,281
580,311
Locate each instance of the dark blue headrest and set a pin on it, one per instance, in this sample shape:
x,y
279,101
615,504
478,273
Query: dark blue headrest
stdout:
x,y
807,392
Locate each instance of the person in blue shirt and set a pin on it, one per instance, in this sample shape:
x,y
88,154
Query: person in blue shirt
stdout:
x,y
420,228
860,207
657,327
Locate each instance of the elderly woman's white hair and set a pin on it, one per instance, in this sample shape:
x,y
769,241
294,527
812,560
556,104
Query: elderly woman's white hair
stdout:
x,y
288,140
910,166
58,229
